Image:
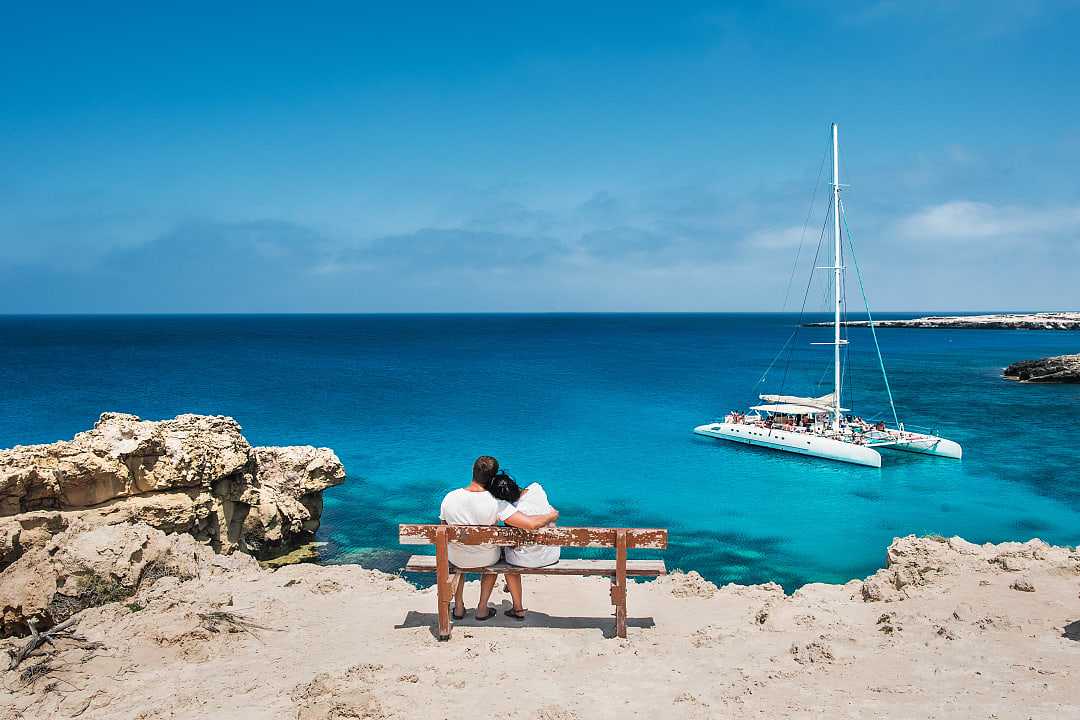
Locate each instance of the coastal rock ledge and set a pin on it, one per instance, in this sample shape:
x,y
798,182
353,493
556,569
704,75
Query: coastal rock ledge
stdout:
x,y
1057,369
949,629
192,475
1069,320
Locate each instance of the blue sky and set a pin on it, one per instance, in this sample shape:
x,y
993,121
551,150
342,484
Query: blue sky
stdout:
x,y
486,157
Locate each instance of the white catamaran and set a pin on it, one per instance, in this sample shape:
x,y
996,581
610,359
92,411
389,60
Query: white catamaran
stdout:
x,y
818,426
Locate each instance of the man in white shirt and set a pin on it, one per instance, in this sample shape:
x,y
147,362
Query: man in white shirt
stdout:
x,y
474,505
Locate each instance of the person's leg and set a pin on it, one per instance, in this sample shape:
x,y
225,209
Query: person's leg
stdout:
x,y
487,584
459,597
513,582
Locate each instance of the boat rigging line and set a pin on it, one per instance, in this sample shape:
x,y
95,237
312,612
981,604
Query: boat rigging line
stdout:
x,y
870,318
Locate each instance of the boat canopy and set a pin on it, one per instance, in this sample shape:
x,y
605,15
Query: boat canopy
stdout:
x,y
825,402
790,409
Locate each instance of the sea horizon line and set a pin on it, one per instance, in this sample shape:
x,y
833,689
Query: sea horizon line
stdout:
x,y
511,313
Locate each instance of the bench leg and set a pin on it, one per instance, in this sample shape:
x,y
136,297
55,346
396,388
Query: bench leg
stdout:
x,y
445,588
618,584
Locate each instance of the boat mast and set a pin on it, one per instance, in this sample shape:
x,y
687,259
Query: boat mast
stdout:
x,y
837,269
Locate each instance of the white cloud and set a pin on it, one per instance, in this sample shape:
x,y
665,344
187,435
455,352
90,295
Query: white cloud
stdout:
x,y
779,238
965,220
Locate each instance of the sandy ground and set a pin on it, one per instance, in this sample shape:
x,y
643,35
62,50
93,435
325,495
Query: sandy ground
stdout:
x,y
955,640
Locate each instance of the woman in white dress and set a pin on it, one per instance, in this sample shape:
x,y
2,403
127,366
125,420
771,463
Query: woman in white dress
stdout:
x,y
531,500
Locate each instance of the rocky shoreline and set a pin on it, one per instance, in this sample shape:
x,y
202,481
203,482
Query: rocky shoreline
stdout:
x,y
193,475
1002,321
128,556
1057,369
947,629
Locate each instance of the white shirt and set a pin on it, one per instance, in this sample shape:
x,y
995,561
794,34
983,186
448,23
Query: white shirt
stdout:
x,y
533,501
461,507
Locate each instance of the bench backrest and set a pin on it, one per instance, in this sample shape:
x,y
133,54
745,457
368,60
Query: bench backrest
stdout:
x,y
653,538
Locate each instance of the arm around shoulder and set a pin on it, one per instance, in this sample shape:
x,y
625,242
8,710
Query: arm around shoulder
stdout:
x,y
532,522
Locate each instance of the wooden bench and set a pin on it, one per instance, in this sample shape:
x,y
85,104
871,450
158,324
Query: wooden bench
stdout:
x,y
621,539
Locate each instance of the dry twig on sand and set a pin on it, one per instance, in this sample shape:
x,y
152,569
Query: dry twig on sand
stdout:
x,y
223,621
64,630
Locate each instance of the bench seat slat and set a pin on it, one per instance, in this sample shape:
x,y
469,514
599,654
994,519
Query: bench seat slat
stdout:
x,y
637,568
503,536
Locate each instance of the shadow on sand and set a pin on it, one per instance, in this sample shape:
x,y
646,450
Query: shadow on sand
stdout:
x,y
534,619
1072,631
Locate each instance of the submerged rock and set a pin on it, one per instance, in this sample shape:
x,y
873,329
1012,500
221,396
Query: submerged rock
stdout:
x,y
1057,369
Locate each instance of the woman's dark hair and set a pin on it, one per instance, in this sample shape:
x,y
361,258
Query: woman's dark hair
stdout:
x,y
503,487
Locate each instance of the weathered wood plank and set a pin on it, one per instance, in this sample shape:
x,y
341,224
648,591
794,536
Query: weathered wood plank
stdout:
x,y
607,568
618,583
650,538
442,569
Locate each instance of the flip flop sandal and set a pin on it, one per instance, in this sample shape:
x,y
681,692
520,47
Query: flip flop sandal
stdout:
x,y
491,613
454,615
514,614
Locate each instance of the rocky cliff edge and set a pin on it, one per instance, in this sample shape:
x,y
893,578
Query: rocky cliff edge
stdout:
x,y
194,474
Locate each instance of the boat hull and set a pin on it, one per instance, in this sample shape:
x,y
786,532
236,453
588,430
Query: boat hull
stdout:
x,y
798,443
930,445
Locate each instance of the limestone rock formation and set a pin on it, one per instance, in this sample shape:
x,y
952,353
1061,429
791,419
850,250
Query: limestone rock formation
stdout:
x,y
88,520
87,566
1068,320
194,473
915,565
1057,369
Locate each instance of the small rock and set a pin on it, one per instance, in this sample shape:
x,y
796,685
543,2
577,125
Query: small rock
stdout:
x,y
691,584
812,652
685,697
874,589
1023,585
1009,563
708,636
962,612
887,624
554,712
327,587
226,600
944,632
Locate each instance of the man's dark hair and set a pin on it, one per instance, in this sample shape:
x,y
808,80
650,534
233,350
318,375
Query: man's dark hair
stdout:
x,y
484,469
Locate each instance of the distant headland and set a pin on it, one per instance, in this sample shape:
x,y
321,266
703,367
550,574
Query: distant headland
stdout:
x,y
1000,321
1057,369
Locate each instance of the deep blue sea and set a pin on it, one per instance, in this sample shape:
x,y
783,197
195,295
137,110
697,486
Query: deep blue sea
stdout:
x,y
599,408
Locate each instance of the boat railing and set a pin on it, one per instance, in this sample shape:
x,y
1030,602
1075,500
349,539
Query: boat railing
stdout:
x,y
923,429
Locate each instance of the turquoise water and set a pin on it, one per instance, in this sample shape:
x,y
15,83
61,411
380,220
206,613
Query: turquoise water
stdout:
x,y
597,407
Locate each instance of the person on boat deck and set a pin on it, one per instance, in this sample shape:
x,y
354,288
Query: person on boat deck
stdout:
x,y
474,505
533,501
